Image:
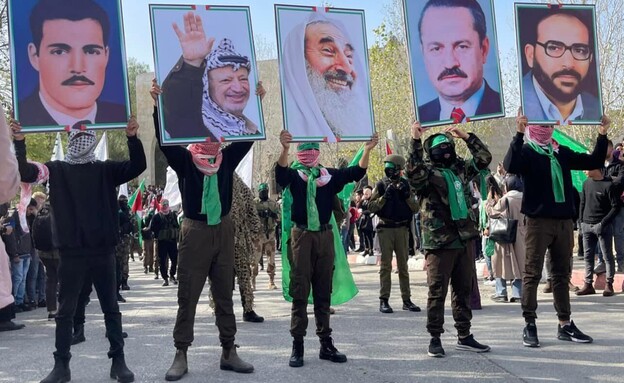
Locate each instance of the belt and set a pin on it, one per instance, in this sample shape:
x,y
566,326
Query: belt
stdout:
x,y
324,227
392,225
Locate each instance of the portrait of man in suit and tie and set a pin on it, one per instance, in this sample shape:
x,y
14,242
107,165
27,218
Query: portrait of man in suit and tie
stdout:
x,y
558,57
455,41
67,71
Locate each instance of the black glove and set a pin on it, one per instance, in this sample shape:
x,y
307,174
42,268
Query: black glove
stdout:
x,y
404,191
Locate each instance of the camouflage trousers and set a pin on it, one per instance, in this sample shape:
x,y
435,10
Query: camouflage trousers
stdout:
x,y
122,255
136,248
266,247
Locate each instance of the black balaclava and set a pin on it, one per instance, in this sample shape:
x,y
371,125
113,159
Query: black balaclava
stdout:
x,y
442,151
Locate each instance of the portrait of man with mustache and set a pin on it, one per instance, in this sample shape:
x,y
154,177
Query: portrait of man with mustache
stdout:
x,y
455,48
560,81
326,86
70,50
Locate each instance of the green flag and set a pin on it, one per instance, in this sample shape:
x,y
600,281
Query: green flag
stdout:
x,y
343,285
578,176
345,194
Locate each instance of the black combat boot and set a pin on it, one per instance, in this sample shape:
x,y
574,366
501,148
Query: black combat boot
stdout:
x,y
60,373
120,371
296,358
329,352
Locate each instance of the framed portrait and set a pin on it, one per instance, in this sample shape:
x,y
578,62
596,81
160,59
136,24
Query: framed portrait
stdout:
x,y
457,47
215,98
558,64
324,72
68,64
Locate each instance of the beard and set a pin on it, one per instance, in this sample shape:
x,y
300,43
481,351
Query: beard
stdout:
x,y
345,111
548,83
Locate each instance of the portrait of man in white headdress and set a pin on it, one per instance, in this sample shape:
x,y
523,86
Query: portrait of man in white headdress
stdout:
x,y
207,91
325,81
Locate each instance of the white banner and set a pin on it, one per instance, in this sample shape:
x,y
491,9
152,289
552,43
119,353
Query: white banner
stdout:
x,y
172,191
101,150
245,168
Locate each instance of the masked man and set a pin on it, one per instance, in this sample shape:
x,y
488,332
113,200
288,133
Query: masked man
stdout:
x,y
313,188
269,213
86,234
395,205
442,183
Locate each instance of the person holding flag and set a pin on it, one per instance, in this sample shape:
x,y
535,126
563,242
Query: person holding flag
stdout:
x,y
307,213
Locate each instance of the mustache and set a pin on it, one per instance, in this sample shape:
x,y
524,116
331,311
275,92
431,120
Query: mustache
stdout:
x,y
339,75
454,71
74,79
567,72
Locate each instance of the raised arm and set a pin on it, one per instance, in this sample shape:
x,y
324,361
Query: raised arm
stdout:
x,y
416,170
125,171
513,162
28,172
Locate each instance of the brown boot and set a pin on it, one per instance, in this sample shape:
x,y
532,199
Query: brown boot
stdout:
x,y
587,289
548,288
608,290
272,283
572,288
231,362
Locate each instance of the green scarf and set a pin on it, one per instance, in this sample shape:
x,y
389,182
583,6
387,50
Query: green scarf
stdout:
x,y
313,215
211,200
556,174
483,184
456,197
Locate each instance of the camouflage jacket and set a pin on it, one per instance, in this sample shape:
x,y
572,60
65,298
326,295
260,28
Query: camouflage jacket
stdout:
x,y
439,231
269,213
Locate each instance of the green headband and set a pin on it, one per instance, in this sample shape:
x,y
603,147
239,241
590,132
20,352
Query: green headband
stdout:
x,y
308,146
263,186
439,139
389,165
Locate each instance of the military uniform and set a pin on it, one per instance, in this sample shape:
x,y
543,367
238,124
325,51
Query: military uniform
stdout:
x,y
123,247
448,242
269,213
395,205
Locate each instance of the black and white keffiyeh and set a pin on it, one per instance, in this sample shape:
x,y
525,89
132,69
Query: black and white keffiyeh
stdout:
x,y
218,121
81,147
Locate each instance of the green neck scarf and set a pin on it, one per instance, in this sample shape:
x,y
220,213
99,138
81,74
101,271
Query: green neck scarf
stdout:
x,y
483,184
556,174
312,173
456,197
211,200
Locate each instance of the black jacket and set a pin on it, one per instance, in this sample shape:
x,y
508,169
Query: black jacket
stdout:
x,y
539,199
85,217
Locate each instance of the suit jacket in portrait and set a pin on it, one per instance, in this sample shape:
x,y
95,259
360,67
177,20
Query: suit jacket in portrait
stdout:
x,y
33,113
490,104
533,109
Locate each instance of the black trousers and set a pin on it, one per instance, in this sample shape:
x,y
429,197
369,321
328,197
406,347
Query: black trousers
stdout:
x,y
167,249
79,315
73,271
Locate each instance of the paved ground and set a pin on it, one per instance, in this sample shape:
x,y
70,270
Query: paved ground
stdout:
x,y
381,348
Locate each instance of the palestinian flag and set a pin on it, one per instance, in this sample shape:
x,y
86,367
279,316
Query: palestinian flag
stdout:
x,y
136,207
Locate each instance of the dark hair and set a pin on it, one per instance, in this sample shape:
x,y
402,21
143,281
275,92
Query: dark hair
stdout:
x,y
32,203
368,187
473,6
513,182
492,186
73,10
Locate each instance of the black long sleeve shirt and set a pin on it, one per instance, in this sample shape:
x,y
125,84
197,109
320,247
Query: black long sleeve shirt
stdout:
x,y
83,198
191,180
600,201
286,177
539,198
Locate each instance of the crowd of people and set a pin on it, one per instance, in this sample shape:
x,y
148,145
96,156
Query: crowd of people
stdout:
x,y
58,245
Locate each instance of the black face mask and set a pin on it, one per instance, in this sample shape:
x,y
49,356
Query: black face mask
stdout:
x,y
392,173
123,204
438,155
263,194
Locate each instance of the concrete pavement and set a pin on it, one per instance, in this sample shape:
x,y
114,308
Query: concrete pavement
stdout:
x,y
384,348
